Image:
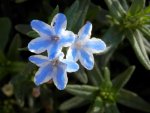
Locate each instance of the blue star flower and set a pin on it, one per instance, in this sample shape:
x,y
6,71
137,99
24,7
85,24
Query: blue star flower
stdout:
x,y
55,70
51,37
83,47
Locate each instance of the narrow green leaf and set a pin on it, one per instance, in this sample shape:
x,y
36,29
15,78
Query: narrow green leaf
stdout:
x,y
13,53
82,76
71,14
72,103
112,40
32,34
82,90
146,31
23,28
106,74
5,26
121,80
81,15
111,108
137,43
147,49
55,11
113,9
136,7
96,11
124,4
119,7
132,100
107,79
97,107
16,67
22,88
28,69
95,75
147,45
147,10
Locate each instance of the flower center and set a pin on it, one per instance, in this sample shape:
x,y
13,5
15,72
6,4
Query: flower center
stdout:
x,y
55,62
55,38
79,44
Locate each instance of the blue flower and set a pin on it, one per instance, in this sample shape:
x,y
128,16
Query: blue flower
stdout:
x,y
55,70
83,47
51,37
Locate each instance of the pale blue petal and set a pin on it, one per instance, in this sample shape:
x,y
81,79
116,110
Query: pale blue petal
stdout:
x,y
54,50
86,59
72,54
95,45
44,74
60,76
71,66
60,55
42,28
66,38
38,45
59,22
39,60
85,31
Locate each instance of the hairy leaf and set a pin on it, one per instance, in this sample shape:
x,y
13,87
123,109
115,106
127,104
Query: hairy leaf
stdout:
x,y
132,100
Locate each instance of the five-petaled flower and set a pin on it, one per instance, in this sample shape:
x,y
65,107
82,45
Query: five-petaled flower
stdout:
x,y
84,47
55,69
51,38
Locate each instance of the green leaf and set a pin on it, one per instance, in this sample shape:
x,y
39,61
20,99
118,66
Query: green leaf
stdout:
x,y
82,76
107,80
124,4
28,69
107,74
72,103
95,75
55,11
119,7
13,53
121,80
71,14
146,31
147,10
97,107
112,40
136,7
23,28
5,26
82,90
22,88
111,108
81,15
96,11
16,67
147,45
115,8
132,100
32,34
137,43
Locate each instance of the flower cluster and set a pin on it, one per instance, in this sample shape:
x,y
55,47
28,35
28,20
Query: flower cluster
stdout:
x,y
52,38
